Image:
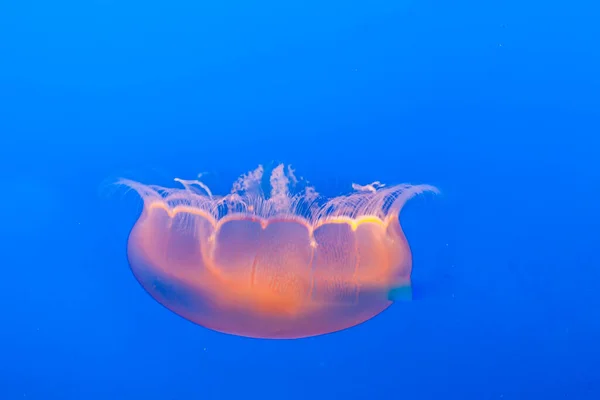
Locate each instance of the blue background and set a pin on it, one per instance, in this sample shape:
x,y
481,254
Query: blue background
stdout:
x,y
495,102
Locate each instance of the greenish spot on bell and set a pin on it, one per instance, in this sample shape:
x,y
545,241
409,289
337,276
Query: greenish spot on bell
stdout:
x,y
400,293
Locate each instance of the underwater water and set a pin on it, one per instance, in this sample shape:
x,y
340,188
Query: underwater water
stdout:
x,y
495,104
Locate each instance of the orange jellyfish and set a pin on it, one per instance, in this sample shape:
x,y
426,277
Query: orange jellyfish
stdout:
x,y
286,264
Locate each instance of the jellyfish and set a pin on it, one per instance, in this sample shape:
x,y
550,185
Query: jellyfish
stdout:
x,y
272,259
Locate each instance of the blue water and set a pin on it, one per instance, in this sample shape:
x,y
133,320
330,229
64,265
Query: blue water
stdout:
x,y
494,102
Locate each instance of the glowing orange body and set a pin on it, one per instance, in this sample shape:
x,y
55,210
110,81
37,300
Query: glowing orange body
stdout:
x,y
277,267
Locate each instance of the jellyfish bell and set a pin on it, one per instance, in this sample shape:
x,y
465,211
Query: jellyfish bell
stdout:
x,y
278,263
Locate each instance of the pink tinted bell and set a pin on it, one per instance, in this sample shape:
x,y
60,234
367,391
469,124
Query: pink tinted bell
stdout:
x,y
276,265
